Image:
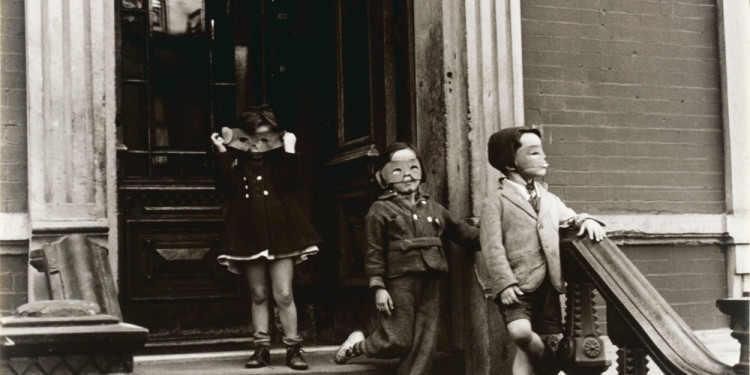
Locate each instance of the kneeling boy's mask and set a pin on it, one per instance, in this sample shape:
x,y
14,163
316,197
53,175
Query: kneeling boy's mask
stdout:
x,y
396,171
256,143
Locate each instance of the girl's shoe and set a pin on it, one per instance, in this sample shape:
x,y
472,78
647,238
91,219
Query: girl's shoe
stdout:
x,y
294,358
345,352
260,358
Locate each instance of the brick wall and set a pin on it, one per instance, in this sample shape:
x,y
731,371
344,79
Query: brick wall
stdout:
x,y
13,280
627,95
13,171
690,278
13,176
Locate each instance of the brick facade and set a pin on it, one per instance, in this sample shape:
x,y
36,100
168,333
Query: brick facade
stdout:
x,y
628,97
13,108
13,170
13,281
690,278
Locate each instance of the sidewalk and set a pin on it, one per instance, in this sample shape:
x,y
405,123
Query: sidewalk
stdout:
x,y
719,342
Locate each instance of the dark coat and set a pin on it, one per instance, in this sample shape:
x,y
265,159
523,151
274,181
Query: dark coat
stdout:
x,y
402,238
262,211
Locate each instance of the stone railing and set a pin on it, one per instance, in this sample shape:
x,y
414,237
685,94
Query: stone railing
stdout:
x,y
639,321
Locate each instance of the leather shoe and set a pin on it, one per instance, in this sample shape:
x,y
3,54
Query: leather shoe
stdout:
x,y
260,358
294,358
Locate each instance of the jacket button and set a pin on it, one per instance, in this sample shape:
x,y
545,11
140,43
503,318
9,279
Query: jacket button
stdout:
x,y
429,219
265,192
244,178
247,195
259,178
415,216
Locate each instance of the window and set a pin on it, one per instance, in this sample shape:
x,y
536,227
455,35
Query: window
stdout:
x,y
177,83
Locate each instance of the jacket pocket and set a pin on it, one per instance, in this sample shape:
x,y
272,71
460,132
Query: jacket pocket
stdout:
x,y
516,260
396,227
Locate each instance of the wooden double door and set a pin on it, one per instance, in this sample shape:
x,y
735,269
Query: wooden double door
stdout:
x,y
338,73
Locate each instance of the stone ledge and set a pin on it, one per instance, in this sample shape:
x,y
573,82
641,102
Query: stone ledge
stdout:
x,y
95,344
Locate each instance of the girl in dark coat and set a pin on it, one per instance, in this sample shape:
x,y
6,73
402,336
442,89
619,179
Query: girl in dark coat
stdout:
x,y
265,231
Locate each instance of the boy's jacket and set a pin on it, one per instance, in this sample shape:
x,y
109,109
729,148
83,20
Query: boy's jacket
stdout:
x,y
403,239
519,245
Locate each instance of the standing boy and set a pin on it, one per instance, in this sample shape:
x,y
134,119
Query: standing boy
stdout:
x,y
519,227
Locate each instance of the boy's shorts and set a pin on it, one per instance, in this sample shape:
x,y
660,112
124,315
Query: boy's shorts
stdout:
x,y
541,307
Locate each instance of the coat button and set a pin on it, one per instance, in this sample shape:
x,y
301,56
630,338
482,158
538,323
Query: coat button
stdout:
x,y
429,219
259,178
247,195
415,216
265,192
244,178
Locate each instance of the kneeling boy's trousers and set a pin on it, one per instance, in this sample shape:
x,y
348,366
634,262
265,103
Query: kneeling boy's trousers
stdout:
x,y
411,332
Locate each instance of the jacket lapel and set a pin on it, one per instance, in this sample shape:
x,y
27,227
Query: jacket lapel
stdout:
x,y
515,197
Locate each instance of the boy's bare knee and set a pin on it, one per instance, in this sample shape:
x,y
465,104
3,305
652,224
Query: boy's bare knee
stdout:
x,y
520,332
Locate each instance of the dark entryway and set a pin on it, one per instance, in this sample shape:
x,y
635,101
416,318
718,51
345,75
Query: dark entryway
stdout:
x,y
339,75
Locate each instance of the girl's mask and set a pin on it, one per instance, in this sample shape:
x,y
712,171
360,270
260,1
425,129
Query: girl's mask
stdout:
x,y
256,143
396,171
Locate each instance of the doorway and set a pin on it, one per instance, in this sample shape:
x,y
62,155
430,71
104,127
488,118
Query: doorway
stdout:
x,y
339,75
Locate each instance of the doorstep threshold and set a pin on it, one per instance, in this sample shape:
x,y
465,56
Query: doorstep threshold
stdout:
x,y
190,357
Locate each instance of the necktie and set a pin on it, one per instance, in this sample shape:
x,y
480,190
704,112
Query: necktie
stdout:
x,y
533,195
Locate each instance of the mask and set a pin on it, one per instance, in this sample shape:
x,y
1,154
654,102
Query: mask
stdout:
x,y
531,160
396,171
257,143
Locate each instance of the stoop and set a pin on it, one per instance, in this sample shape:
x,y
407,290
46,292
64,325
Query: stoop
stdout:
x,y
320,359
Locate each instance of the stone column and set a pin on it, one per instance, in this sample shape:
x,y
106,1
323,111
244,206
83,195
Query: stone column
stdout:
x,y
483,90
70,54
495,81
734,44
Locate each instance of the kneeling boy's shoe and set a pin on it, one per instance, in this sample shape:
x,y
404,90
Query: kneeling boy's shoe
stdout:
x,y
260,358
345,352
294,358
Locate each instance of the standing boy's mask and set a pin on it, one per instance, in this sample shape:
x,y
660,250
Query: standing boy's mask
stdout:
x,y
256,143
396,171
530,158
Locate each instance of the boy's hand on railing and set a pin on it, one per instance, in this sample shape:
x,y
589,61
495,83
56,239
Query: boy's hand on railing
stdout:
x,y
383,301
594,229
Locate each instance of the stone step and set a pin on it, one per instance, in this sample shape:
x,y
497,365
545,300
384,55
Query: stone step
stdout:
x,y
319,358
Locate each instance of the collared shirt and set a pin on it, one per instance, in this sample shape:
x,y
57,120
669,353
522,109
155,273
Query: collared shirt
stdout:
x,y
522,188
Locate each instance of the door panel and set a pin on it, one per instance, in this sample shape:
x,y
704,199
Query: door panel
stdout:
x,y
337,73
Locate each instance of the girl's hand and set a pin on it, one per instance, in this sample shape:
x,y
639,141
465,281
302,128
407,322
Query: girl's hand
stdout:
x,y
510,295
289,140
218,142
594,229
383,301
